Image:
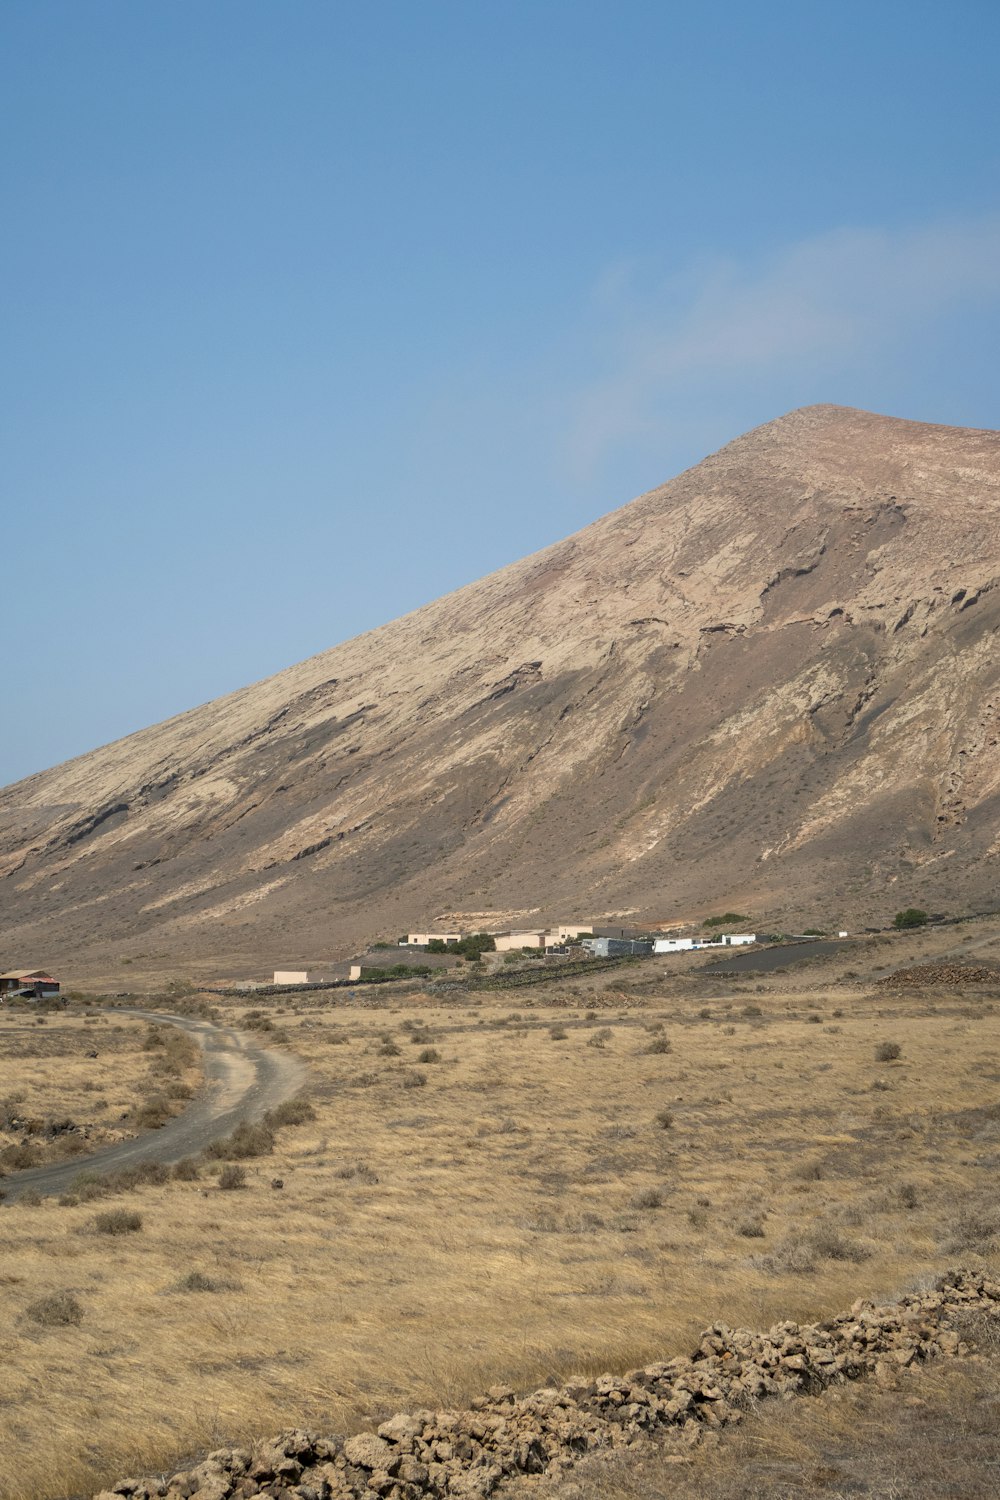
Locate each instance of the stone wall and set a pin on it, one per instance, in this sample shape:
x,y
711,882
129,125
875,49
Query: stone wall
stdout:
x,y
470,1453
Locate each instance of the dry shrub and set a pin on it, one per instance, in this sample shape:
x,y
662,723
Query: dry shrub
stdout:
x,y
975,1228
659,1045
801,1253
750,1226
808,1171
414,1080
429,1055
888,1052
57,1310
154,1112
255,1020
664,1118
245,1142
232,1177
647,1198
185,1170
118,1221
197,1281
90,1185
20,1158
297,1111
357,1171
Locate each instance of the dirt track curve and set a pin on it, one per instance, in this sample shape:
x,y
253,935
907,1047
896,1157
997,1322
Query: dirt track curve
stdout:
x,y
242,1080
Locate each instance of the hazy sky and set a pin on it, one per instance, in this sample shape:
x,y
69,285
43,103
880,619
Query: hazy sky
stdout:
x,y
314,311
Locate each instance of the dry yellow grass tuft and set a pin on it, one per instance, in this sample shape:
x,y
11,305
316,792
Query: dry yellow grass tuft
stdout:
x,y
519,1207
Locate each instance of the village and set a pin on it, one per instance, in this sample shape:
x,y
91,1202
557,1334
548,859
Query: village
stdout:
x,y
437,952
421,953
444,951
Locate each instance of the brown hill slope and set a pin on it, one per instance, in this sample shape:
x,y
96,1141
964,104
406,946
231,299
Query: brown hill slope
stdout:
x,y
772,682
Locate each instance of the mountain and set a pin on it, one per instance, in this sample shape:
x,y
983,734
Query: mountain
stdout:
x,y
770,684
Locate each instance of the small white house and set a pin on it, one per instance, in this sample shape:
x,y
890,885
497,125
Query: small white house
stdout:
x,y
673,945
738,939
421,939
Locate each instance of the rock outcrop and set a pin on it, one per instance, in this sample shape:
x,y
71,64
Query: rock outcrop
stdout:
x,y
470,1453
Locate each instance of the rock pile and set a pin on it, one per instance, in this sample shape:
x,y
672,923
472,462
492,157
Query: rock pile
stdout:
x,y
469,1453
950,974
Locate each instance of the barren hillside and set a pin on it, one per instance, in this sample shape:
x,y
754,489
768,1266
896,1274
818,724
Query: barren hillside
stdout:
x,y
771,683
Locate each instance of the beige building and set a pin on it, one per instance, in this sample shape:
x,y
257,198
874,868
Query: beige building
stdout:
x,y
421,939
567,931
510,942
292,976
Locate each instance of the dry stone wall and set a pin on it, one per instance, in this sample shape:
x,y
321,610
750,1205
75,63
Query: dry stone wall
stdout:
x,y
470,1453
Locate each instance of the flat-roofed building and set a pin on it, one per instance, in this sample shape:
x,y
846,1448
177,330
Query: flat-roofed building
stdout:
x,y
513,942
611,947
674,945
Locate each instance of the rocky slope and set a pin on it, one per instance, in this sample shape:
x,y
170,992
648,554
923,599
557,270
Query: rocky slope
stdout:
x,y
770,684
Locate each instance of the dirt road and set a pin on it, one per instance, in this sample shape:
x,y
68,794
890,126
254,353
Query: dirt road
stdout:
x,y
242,1080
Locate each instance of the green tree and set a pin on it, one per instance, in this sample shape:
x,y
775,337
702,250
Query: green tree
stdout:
x,y
911,917
474,945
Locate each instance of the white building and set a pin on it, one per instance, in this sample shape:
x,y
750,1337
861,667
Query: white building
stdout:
x,y
421,939
674,945
738,939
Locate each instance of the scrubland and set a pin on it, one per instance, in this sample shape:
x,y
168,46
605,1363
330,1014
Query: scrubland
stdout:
x,y
71,1083
509,1188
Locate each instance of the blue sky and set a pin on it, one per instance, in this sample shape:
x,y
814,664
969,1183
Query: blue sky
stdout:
x,y
315,311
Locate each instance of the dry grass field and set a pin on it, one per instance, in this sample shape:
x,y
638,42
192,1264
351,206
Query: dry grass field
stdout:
x,y
508,1187
71,1083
